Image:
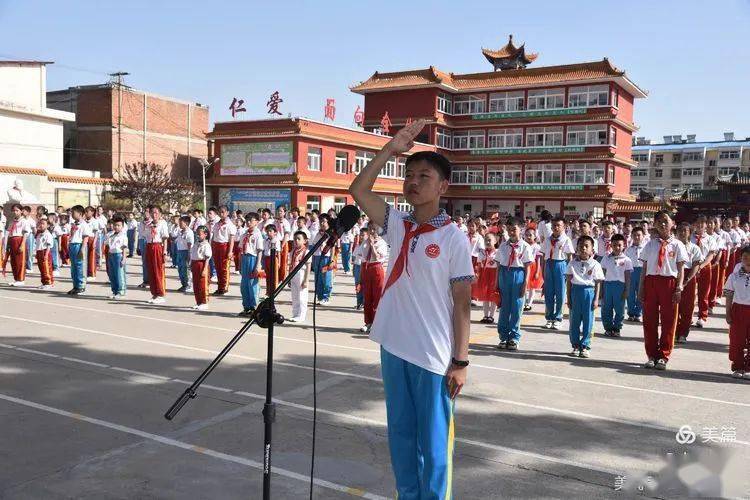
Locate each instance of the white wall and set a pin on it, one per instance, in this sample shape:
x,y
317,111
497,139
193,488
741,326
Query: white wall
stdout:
x,y
503,207
24,85
30,141
460,207
529,210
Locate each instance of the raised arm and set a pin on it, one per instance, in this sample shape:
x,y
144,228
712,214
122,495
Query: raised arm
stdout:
x,y
361,189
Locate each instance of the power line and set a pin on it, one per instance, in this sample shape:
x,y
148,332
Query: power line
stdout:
x,y
64,66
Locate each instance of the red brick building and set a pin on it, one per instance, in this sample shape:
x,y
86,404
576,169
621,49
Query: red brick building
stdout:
x,y
296,162
521,139
116,125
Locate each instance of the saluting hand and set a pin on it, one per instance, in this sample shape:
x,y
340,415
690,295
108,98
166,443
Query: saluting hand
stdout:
x,y
403,141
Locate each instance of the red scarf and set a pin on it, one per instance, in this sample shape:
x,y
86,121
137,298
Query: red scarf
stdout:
x,y
662,254
402,262
553,241
512,255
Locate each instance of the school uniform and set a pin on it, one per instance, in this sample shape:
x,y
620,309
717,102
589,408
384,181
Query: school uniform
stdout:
x,y
184,239
596,244
57,232
727,252
321,264
738,287
43,243
132,230
373,276
616,268
513,260
543,230
314,227
689,291
719,268
102,222
116,260
662,258
30,240
64,242
583,277
486,284
200,254
357,259
157,235
251,246
414,327
143,227
557,252
346,241
298,287
223,231
603,247
635,308
476,243
17,248
272,278
79,253
93,248
283,231
705,277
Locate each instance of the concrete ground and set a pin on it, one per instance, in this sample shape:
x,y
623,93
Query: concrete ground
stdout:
x,y
84,383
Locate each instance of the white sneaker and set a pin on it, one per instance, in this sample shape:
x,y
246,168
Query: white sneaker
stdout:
x,y
738,374
548,325
158,300
555,325
747,375
585,353
323,302
700,323
661,364
201,307
194,308
42,287
119,296
650,363
574,352
19,283
55,273
214,279
292,320
189,290
112,297
364,329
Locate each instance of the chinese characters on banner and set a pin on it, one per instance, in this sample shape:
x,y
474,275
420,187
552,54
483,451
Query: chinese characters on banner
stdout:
x,y
359,117
237,106
330,109
385,123
273,103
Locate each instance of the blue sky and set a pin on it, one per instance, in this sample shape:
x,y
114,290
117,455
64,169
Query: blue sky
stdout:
x,y
692,56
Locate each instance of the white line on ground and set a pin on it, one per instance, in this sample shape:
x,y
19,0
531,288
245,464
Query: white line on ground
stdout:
x,y
187,446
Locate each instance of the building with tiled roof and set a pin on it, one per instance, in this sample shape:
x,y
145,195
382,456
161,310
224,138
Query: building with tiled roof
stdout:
x,y
522,139
730,197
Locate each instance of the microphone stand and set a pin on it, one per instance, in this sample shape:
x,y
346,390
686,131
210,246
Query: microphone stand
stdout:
x,y
266,317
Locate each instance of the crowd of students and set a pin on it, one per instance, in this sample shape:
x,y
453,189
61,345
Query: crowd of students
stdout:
x,y
658,276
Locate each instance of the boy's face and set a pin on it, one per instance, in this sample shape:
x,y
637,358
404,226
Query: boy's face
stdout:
x,y
664,226
17,212
299,240
43,224
513,231
182,224
558,227
365,235
586,229
252,223
683,233
710,226
585,249
156,214
459,220
202,235
324,224
529,236
746,261
638,237
300,223
373,233
423,184
271,232
223,213
117,226
489,240
89,214
264,216
76,215
617,247
700,227
609,230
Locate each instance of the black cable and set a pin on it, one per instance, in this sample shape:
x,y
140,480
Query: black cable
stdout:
x,y
315,383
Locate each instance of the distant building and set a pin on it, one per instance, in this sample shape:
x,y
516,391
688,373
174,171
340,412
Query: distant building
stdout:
x,y
677,164
116,125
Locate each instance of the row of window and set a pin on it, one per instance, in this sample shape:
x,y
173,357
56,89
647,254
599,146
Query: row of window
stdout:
x,y
677,173
688,156
582,173
498,102
577,135
394,167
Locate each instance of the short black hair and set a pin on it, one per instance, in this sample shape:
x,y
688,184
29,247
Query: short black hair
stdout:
x,y
266,211
298,233
606,222
585,238
18,206
118,218
512,221
185,219
639,228
77,208
545,215
251,216
617,237
202,229
213,209
433,159
270,227
559,218
745,250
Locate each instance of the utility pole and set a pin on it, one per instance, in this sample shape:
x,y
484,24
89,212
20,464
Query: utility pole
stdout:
x,y
116,78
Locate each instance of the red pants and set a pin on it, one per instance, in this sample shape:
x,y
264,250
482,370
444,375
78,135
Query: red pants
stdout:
x,y
91,263
718,286
658,307
200,270
17,256
372,280
715,274
283,261
44,262
687,308
739,338
731,262
271,278
705,278
221,254
64,255
157,281
237,255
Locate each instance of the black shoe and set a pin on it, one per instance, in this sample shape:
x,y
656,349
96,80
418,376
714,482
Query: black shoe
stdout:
x,y
75,291
526,308
616,333
142,285
72,291
512,345
181,289
219,293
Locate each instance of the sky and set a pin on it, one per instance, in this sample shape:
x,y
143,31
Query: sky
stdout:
x,y
693,57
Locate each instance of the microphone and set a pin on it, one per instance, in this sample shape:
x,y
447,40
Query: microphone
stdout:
x,y
347,217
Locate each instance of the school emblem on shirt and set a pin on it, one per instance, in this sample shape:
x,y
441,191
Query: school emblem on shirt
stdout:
x,y
591,271
671,254
432,251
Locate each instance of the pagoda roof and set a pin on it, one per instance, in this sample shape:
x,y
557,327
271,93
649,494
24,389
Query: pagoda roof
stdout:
x,y
509,51
636,206
702,196
492,80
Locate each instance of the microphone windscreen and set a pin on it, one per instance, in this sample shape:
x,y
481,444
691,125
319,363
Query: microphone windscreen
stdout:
x,y
347,217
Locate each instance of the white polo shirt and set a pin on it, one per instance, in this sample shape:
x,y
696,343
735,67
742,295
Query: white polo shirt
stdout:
x,y
380,246
524,254
19,227
738,285
695,255
184,238
706,244
44,240
252,242
143,227
675,253
718,242
476,242
414,320
604,246
615,267
201,251
544,230
634,253
80,230
486,259
584,272
562,249
223,230
156,232
116,241
282,228
269,244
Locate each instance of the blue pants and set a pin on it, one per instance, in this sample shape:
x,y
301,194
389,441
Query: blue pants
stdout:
x,y
420,429
173,253
144,265
182,258
581,315
131,242
554,288
613,308
30,250
99,245
323,280
116,273
358,281
510,283
248,286
77,265
315,263
55,254
635,308
346,256
212,266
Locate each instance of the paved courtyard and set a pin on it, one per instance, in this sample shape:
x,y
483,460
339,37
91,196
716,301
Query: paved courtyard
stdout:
x,y
84,383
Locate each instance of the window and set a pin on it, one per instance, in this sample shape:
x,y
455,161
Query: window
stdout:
x,y
504,174
444,103
611,175
400,168
391,200
658,173
676,173
592,95
692,186
692,172
587,135
403,205
443,138
361,159
505,138
468,104
313,203
677,158
506,101
598,212
468,139
390,168
338,204
729,155
692,156
711,163
639,172
342,162
546,99
723,171
584,174
314,156
636,188
658,159
613,135
636,156
544,136
543,174
467,174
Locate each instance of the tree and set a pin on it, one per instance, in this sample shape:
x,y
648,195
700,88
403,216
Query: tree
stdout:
x,y
147,184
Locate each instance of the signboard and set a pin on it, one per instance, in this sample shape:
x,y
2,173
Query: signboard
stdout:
x,y
526,187
529,114
70,197
257,158
526,151
250,200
